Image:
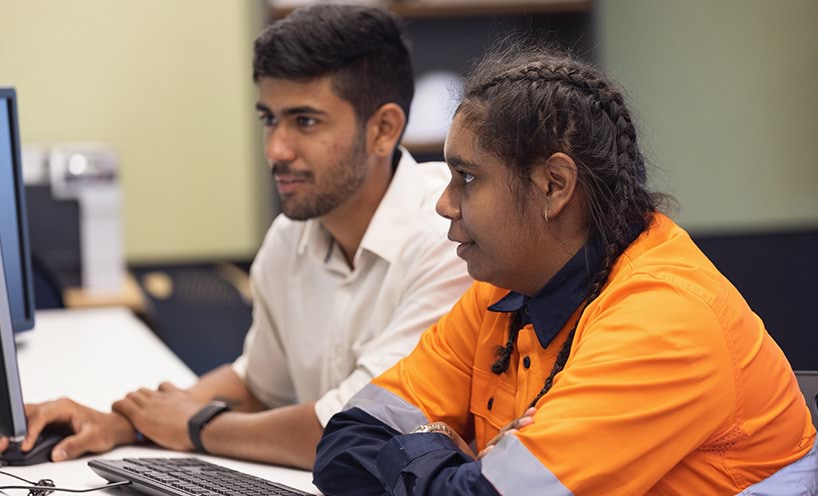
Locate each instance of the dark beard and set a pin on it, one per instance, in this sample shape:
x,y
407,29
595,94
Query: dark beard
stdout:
x,y
340,181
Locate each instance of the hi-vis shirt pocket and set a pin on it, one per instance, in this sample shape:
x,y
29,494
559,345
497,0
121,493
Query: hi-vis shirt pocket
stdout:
x,y
492,404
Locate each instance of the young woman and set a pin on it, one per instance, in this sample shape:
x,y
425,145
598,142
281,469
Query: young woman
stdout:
x,y
599,353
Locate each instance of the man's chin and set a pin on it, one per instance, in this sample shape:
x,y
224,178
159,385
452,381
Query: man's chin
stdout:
x,y
296,215
294,212
301,212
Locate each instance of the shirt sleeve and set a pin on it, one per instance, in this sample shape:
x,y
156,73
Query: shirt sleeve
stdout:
x,y
385,461
262,364
434,281
366,449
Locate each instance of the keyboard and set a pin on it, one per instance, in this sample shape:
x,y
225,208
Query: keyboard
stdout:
x,y
186,476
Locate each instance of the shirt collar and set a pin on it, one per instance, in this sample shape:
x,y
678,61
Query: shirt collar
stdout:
x,y
313,235
389,227
549,309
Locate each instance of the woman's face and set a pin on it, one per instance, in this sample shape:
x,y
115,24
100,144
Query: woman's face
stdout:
x,y
500,240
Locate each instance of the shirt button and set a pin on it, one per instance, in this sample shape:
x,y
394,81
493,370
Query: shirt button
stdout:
x,y
526,362
525,310
491,403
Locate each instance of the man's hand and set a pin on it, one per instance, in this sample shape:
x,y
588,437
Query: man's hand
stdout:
x,y
161,415
94,431
526,419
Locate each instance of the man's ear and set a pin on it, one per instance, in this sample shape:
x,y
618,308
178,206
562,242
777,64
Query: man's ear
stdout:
x,y
556,181
384,128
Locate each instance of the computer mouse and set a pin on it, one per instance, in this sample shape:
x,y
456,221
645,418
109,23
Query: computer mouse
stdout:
x,y
41,452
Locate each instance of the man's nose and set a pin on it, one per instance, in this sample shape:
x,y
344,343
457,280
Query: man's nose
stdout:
x,y
279,147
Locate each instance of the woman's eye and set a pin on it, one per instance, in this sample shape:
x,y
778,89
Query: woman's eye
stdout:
x,y
467,178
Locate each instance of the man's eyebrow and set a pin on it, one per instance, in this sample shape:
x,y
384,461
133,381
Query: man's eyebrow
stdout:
x,y
460,163
304,109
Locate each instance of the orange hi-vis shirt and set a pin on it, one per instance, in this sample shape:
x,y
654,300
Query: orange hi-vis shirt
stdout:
x,y
673,386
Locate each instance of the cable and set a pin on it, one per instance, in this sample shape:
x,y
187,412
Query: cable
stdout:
x,y
18,478
44,487
46,490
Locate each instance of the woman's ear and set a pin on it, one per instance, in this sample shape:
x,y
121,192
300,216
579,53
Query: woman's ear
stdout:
x,y
384,128
556,181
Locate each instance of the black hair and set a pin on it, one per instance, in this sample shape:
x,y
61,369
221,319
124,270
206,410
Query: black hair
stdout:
x,y
524,104
363,49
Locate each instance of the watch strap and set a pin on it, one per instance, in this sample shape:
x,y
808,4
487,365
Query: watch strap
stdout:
x,y
200,419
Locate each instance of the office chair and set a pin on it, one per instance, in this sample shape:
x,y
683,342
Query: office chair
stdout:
x,y
201,312
808,381
47,285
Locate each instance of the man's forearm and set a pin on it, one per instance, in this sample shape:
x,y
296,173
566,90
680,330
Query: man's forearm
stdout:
x,y
224,384
282,436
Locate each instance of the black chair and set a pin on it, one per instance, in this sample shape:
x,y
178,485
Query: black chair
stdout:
x,y
808,380
780,289
199,311
47,285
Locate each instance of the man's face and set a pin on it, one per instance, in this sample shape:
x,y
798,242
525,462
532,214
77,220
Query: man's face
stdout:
x,y
313,144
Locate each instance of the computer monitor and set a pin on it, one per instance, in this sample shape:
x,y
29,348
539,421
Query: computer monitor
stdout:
x,y
16,294
12,411
13,222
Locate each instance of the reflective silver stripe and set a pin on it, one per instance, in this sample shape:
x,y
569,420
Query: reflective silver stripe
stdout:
x,y
512,470
799,478
387,407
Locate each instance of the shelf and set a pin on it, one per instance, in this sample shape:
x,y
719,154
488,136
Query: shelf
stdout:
x,y
423,147
423,9
419,9
129,296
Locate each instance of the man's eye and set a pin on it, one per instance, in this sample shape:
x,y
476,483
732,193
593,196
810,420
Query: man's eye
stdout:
x,y
305,121
266,119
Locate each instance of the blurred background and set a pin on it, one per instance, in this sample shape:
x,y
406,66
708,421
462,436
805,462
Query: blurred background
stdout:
x,y
724,92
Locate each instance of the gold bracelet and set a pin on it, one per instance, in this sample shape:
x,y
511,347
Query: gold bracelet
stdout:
x,y
440,427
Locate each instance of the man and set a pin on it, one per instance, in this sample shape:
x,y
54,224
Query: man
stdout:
x,y
346,279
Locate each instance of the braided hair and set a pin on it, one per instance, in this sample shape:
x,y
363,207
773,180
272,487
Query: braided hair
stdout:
x,y
525,104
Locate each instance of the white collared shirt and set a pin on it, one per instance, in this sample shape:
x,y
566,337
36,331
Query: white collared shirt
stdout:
x,y
321,331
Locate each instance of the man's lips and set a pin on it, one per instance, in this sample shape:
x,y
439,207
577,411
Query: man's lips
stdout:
x,y
288,184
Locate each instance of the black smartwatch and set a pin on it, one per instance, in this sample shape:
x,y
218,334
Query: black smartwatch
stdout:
x,y
198,422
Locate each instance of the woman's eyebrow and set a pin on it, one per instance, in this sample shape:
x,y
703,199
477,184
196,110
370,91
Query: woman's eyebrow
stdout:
x,y
460,163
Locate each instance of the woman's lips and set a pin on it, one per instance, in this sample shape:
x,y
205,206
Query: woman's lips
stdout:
x,y
462,248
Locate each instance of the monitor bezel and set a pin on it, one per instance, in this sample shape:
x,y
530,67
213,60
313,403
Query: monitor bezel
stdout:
x,y
10,94
10,368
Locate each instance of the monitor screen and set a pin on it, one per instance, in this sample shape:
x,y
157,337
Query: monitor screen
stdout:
x,y
13,224
12,411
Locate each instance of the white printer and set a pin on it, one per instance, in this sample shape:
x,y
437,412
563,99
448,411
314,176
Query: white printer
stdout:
x,y
75,223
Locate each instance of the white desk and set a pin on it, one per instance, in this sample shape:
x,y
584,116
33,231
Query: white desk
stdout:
x,y
96,357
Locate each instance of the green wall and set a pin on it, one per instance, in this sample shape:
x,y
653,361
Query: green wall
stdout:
x,y
168,84
727,95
